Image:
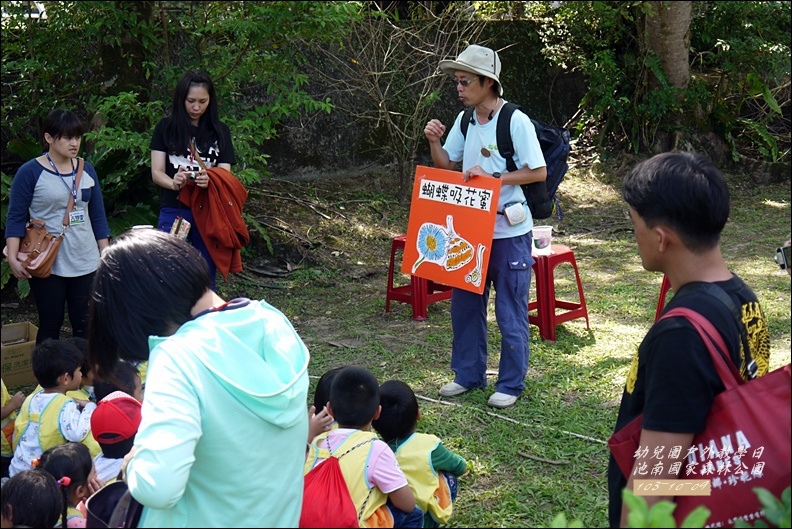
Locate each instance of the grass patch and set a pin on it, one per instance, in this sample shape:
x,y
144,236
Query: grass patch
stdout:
x,y
547,454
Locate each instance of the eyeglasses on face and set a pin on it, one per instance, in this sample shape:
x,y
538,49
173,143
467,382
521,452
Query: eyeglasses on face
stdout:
x,y
463,82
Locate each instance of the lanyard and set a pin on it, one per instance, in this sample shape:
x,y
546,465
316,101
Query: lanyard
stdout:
x,y
74,175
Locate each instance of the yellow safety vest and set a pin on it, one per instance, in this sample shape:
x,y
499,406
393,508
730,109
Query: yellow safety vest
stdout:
x,y
432,494
7,426
49,424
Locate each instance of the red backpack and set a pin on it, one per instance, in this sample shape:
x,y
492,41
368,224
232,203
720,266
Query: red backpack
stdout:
x,y
326,499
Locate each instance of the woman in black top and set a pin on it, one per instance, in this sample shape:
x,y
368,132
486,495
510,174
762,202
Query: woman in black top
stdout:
x,y
193,118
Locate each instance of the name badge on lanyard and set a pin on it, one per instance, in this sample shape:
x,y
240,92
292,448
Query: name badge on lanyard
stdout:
x,y
77,216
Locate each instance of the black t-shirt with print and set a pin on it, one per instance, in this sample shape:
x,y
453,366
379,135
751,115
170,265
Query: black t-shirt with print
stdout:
x,y
168,197
673,381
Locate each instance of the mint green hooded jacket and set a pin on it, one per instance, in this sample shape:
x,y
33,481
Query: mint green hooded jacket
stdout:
x,y
222,439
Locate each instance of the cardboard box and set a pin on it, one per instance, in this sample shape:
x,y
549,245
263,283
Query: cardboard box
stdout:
x,y
17,342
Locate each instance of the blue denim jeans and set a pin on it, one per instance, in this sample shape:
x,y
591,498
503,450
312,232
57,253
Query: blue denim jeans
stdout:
x,y
509,272
166,218
406,519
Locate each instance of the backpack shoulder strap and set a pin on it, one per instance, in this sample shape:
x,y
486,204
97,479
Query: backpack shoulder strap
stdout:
x,y
371,440
503,135
465,123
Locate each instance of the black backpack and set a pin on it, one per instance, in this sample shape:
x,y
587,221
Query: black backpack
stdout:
x,y
554,142
113,506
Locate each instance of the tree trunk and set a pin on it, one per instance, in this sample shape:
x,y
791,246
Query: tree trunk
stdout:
x,y
668,36
122,67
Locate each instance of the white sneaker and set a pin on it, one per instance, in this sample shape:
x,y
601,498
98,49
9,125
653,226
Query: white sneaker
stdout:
x,y
452,389
501,400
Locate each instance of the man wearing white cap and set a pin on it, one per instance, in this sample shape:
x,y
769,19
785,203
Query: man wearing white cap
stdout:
x,y
475,74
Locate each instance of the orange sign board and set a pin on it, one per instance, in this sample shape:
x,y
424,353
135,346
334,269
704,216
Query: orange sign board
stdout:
x,y
449,234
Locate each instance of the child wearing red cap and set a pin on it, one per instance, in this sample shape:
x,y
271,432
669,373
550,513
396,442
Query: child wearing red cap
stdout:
x,y
114,424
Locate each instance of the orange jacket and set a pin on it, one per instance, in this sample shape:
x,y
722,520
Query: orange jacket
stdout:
x,y
217,210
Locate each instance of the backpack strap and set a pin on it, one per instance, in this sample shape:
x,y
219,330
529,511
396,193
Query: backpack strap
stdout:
x,y
467,117
502,131
714,291
503,135
356,446
368,496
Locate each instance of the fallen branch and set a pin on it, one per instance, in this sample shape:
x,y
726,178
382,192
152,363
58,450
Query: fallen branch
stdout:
x,y
543,460
269,273
256,282
509,419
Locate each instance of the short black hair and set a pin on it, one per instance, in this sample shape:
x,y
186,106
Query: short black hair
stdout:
x,y
52,358
62,123
82,345
141,271
399,413
33,498
683,190
121,378
495,84
322,391
354,396
117,450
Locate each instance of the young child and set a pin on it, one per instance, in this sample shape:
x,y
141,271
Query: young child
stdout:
x,y
142,368
71,465
125,377
377,485
430,467
86,390
48,417
322,421
8,415
31,499
114,424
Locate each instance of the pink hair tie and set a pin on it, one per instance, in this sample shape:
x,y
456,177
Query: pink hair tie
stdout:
x,y
65,481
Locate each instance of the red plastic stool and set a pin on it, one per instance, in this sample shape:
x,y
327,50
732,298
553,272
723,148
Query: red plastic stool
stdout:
x,y
661,300
537,319
547,303
419,293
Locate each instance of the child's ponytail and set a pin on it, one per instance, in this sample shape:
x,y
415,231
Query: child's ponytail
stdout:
x,y
63,484
70,464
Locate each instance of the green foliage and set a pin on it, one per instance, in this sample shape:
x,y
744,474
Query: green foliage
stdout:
x,y
739,64
777,511
561,521
255,226
121,153
118,62
661,514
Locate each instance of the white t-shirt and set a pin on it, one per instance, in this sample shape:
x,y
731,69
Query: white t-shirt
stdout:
x,y
107,469
527,153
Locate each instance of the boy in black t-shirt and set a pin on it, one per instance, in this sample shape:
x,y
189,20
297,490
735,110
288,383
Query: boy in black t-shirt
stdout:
x,y
679,204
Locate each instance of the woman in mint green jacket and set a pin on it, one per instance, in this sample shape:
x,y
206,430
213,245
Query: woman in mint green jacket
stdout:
x,y
222,438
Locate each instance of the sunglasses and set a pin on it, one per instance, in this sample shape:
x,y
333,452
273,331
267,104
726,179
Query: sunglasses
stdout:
x,y
463,82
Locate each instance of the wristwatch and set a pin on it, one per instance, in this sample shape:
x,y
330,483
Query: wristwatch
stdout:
x,y
496,174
